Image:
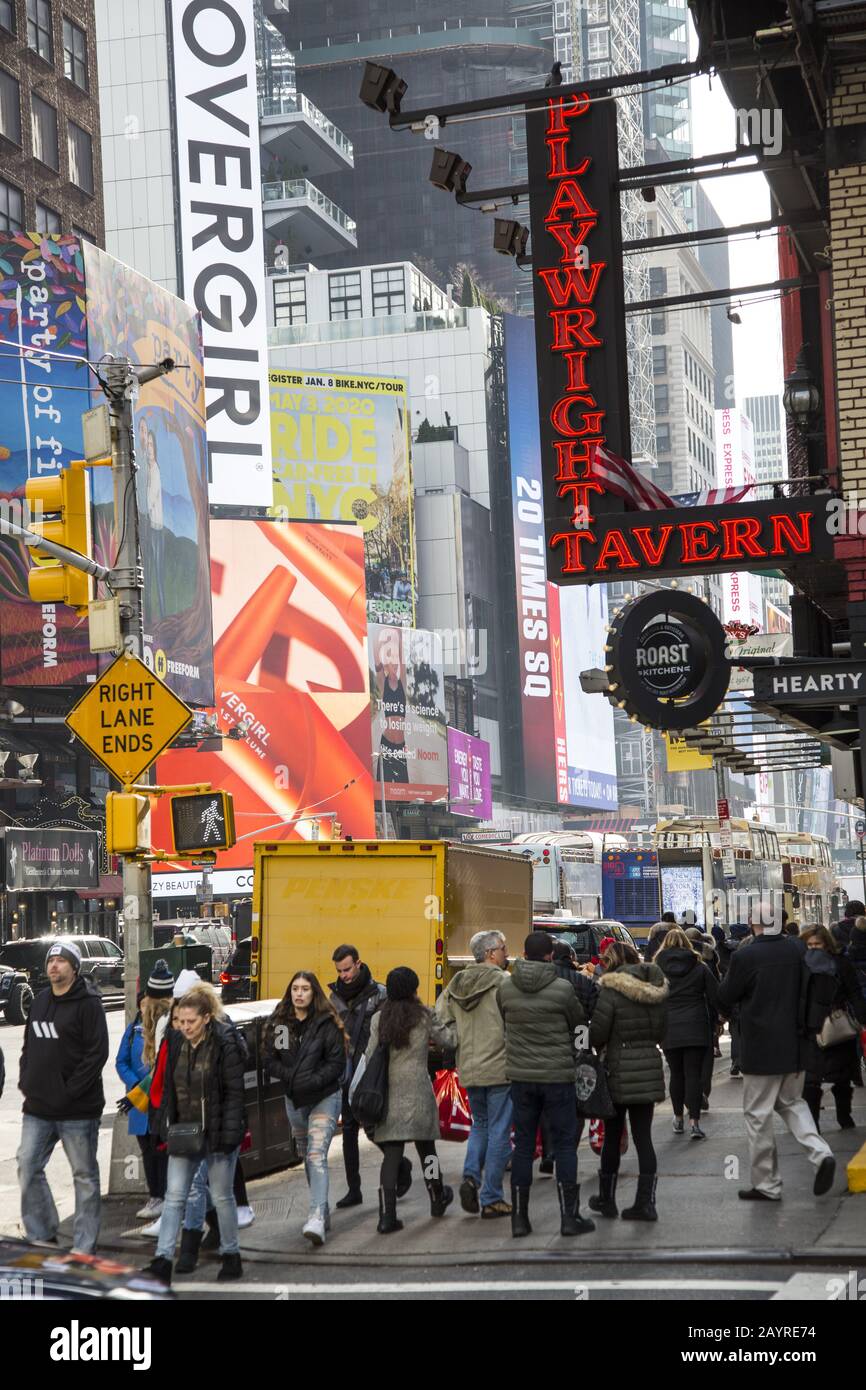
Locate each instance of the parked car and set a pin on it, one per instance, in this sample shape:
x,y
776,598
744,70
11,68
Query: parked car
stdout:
x,y
31,1271
212,932
16,996
584,934
102,961
235,979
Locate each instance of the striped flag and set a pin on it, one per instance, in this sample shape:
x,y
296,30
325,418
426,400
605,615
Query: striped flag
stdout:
x,y
716,497
619,477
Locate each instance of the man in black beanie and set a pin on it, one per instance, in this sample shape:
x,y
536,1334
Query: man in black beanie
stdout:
x,y
65,1050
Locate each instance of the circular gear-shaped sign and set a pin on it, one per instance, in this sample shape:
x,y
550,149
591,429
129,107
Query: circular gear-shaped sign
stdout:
x,y
666,661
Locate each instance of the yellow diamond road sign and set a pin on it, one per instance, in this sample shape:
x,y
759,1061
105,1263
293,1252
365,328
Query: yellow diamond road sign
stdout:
x,y
127,718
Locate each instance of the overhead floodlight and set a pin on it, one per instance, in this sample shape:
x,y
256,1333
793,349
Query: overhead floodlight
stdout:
x,y
510,238
382,89
449,171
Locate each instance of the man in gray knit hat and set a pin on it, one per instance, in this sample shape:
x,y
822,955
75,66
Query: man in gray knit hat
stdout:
x,y
65,1050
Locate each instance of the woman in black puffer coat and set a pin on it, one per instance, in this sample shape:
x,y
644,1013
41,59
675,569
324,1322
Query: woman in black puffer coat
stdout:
x,y
629,1021
839,1066
692,1011
306,1046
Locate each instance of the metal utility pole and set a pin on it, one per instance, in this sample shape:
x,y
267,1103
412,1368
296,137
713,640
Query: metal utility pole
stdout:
x,y
121,385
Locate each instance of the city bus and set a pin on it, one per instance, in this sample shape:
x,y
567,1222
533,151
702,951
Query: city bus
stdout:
x,y
567,869
809,876
631,889
692,873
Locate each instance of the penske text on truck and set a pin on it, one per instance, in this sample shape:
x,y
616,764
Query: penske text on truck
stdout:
x,y
400,902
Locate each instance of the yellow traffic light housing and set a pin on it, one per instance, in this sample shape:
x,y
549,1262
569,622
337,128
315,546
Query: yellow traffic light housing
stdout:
x,y
65,499
127,823
202,822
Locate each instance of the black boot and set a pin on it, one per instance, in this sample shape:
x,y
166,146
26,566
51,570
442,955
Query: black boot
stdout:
x,y
404,1177
605,1202
159,1269
571,1223
188,1257
644,1208
440,1196
353,1198
212,1238
388,1212
231,1268
520,1212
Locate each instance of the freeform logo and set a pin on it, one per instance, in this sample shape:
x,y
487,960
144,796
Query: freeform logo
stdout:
x,y
77,1343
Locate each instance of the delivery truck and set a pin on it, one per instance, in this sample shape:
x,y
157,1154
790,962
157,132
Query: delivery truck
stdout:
x,y
400,902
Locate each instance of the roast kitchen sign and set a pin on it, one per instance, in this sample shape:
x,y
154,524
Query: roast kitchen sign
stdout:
x,y
583,383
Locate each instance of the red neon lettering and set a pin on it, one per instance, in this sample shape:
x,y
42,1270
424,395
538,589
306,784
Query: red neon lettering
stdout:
x,y
571,236
577,372
557,164
695,541
574,460
563,285
741,538
559,417
798,537
560,111
570,199
572,327
653,553
580,492
615,547
572,563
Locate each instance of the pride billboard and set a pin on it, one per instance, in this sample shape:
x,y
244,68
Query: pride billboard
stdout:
x,y
291,675
341,453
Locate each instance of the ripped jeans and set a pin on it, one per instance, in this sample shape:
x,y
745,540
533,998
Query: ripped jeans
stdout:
x,y
313,1128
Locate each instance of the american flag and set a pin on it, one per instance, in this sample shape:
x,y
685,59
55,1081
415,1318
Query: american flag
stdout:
x,y
619,477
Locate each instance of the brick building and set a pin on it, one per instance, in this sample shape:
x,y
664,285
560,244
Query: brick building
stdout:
x,y
50,160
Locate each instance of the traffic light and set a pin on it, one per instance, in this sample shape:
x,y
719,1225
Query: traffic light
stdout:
x,y
64,499
202,821
127,823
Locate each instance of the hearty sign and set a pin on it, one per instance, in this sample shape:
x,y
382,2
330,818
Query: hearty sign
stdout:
x,y
580,338
810,683
666,660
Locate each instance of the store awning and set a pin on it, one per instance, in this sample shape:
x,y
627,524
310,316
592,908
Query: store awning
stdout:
x,y
110,886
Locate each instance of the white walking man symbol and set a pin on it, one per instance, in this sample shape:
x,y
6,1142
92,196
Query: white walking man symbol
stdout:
x,y
210,821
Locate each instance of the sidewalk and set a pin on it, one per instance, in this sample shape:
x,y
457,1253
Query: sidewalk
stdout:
x,y
699,1212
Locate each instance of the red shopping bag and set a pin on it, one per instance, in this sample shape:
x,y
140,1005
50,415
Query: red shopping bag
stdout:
x,y
596,1137
455,1116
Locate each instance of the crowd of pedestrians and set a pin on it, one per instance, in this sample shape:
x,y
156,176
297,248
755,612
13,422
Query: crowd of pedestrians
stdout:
x,y
359,1057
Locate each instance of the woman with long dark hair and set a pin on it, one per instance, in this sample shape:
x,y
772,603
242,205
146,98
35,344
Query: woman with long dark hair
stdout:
x,y
404,1026
838,1065
306,1047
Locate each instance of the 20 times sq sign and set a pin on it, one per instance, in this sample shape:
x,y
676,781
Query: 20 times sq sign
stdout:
x,y
581,357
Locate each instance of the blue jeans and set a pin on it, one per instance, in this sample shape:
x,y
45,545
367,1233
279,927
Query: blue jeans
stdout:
x,y
196,1202
313,1128
488,1148
38,1212
554,1101
220,1176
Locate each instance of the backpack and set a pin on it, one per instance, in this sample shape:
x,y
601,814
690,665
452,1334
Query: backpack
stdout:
x,y
368,1093
820,985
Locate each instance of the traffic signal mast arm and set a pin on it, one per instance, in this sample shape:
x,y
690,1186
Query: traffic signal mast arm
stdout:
x,y
58,552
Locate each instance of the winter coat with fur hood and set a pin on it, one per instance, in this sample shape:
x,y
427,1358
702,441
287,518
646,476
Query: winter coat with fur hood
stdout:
x,y
629,1020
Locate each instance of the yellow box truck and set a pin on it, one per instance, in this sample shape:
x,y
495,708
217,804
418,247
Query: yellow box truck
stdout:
x,y
400,902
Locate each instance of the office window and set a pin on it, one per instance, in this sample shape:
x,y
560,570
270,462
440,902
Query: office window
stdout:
x,y
560,14
83,234
596,12
660,360
80,157
659,323
7,15
562,49
75,54
45,132
630,758
663,438
599,70
597,44
10,107
47,220
344,293
39,29
661,400
11,207
389,295
658,281
290,300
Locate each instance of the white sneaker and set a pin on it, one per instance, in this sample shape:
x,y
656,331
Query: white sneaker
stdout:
x,y
152,1229
314,1230
246,1217
152,1207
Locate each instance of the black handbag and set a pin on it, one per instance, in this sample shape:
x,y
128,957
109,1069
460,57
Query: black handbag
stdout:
x,y
187,1138
368,1094
591,1088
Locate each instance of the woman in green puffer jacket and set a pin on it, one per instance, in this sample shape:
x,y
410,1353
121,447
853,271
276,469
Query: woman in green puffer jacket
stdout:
x,y
629,1022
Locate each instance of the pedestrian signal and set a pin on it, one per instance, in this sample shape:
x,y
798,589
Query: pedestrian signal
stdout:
x,y
202,821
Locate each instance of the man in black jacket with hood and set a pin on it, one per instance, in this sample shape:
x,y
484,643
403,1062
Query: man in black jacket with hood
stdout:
x,y
65,1050
843,928
356,996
